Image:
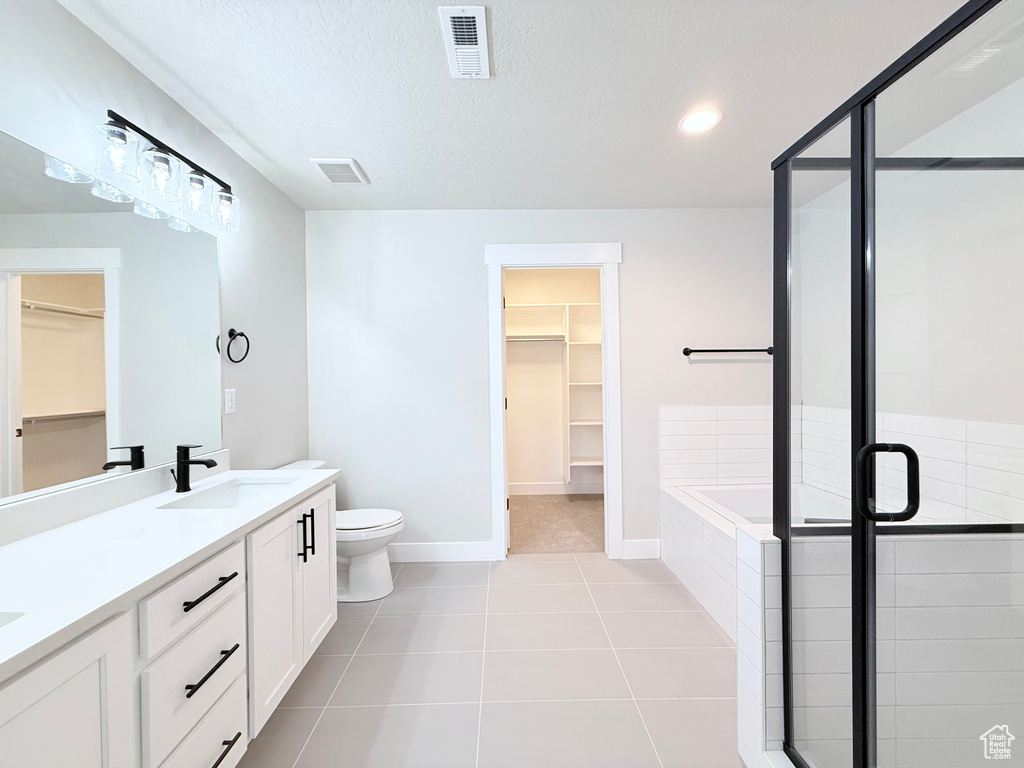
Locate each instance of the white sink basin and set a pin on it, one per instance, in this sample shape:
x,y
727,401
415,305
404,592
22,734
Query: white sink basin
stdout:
x,y
240,490
7,618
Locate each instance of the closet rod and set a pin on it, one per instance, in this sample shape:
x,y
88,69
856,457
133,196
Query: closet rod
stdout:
x,y
60,309
63,417
535,338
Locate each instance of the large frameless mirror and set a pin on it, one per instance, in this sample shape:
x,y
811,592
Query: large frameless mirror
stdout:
x,y
108,323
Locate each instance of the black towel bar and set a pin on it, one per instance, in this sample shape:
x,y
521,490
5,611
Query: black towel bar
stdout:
x,y
687,351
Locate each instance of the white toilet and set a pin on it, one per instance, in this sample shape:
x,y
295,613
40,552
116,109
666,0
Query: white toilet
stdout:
x,y
363,537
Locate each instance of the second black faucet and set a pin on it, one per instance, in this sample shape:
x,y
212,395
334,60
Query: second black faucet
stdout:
x,y
183,465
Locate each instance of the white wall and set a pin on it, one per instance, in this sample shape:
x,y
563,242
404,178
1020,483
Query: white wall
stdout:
x,y
398,345
58,81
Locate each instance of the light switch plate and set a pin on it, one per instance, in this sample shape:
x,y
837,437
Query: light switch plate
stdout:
x,y
229,401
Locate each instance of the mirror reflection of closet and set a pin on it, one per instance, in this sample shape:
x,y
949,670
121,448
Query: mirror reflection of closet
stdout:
x,y
555,432
63,378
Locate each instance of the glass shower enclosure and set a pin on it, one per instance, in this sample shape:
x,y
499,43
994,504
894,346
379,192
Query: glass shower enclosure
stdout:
x,y
899,390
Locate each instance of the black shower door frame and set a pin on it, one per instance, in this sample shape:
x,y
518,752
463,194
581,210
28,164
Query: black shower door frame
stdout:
x,y
862,165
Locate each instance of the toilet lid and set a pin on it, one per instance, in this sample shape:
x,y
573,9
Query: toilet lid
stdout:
x,y
359,519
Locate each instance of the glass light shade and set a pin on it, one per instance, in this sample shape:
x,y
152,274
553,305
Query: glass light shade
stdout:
x,y
226,211
109,192
149,210
117,152
58,169
160,177
195,195
181,225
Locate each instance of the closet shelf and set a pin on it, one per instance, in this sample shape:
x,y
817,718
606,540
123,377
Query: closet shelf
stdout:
x,y
559,304
597,423
591,462
46,418
586,343
584,383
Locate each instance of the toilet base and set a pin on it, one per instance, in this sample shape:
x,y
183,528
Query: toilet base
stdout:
x,y
369,578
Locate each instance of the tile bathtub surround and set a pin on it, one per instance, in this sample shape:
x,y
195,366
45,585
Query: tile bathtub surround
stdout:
x,y
551,660
701,553
715,445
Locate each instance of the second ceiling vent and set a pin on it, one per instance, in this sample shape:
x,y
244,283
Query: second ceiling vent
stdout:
x,y
341,170
465,39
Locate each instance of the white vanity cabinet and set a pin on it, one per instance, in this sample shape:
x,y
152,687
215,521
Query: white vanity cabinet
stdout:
x,y
292,599
77,708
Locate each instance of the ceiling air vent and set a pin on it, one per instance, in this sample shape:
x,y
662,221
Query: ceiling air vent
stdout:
x,y
465,38
341,170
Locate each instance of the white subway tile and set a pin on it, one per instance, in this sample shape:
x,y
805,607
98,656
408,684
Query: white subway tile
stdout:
x,y
926,426
990,433
763,427
772,591
744,412
815,459
960,623
820,591
744,455
748,581
688,442
960,554
960,589
745,470
814,429
995,505
745,441
749,676
815,443
688,457
983,654
933,447
688,427
996,481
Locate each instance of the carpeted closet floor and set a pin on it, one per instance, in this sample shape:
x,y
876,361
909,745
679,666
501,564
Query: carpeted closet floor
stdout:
x,y
542,524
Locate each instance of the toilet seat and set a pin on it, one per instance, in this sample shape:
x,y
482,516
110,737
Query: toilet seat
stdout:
x,y
351,520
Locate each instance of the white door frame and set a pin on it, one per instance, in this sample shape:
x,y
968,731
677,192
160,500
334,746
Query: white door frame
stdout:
x,y
21,261
603,256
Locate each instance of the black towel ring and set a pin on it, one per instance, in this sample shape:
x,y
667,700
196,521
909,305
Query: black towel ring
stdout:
x,y
232,335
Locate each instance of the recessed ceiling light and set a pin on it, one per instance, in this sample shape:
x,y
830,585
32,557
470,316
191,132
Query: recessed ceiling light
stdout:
x,y
700,121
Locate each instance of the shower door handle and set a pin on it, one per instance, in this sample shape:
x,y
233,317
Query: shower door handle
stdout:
x,y
862,493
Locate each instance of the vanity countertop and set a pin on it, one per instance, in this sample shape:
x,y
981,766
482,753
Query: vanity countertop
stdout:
x,y
72,578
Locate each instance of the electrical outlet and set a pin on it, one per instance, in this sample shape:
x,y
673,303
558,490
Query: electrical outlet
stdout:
x,y
229,401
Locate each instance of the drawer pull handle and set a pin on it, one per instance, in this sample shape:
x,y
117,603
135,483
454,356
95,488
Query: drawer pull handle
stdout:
x,y
227,748
189,605
224,656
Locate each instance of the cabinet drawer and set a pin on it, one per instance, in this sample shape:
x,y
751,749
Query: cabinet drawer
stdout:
x,y
183,684
222,735
163,617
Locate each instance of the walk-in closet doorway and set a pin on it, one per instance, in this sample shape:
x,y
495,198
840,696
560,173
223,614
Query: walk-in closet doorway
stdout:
x,y
555,414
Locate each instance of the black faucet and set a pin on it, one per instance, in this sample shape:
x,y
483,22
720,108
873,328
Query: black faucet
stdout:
x,y
184,462
138,458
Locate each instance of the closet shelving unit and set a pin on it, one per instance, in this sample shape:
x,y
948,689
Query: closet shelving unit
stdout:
x,y
578,326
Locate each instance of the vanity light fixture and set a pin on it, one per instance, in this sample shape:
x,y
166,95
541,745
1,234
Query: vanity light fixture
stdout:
x,y
58,169
106,191
700,121
167,177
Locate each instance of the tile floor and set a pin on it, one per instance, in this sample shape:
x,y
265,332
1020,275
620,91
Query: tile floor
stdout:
x,y
543,661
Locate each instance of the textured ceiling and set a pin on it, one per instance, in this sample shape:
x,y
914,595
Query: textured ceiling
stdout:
x,y
580,112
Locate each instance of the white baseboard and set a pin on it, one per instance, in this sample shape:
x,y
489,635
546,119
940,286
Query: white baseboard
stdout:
x,y
442,551
641,549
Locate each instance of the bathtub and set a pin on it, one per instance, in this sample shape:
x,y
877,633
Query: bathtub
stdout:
x,y
698,534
